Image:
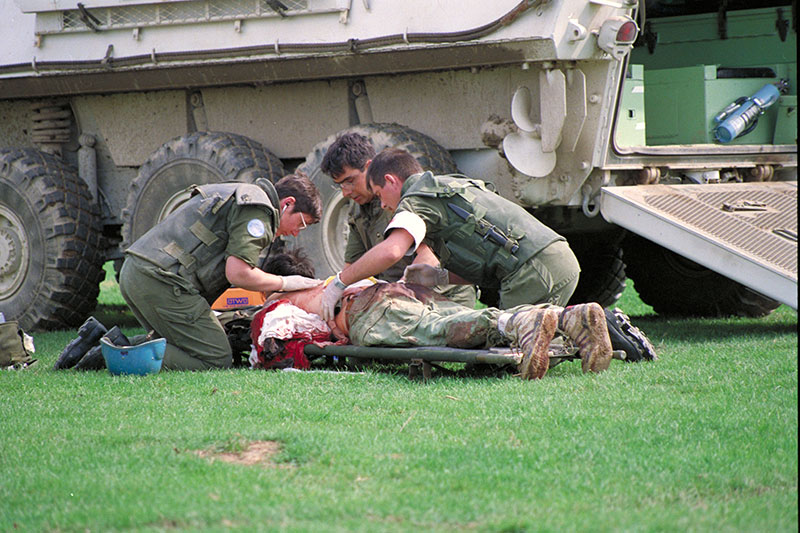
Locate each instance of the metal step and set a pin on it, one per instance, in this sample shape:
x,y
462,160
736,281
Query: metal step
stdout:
x,y
744,231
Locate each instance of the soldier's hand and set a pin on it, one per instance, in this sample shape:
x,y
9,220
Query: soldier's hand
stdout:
x,y
296,283
330,297
427,275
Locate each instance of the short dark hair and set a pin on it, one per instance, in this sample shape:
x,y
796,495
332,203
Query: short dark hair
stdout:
x,y
305,193
394,161
289,263
349,149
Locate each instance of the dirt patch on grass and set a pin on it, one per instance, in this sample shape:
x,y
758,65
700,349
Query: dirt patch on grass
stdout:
x,y
257,453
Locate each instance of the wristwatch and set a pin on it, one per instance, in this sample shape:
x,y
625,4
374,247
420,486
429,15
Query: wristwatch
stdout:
x,y
338,282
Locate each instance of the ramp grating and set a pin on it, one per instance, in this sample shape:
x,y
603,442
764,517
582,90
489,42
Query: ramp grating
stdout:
x,y
749,227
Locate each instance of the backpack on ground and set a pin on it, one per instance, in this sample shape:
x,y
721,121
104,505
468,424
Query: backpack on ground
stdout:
x,y
13,352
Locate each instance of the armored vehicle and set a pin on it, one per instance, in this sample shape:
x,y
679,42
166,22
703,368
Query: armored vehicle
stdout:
x,y
658,136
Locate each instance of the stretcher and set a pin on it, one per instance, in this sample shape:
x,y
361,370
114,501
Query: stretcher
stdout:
x,y
422,359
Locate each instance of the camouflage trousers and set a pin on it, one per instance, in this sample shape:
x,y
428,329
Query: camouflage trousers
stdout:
x,y
394,314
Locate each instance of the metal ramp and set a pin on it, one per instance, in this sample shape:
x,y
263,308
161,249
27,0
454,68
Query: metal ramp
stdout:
x,y
744,231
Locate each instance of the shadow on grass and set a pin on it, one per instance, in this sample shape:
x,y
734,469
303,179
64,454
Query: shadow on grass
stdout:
x,y
115,315
712,329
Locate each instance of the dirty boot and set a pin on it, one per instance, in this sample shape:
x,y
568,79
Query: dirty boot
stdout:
x,y
93,360
88,335
585,325
532,332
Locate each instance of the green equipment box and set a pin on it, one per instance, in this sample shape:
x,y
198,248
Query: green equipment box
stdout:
x,y
786,123
681,103
630,120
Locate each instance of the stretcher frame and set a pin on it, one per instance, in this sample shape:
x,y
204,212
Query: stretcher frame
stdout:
x,y
422,359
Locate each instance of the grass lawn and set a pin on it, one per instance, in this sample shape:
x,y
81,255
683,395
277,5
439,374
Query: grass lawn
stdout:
x,y
705,439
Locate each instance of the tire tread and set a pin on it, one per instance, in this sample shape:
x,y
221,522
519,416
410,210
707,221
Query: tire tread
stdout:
x,y
74,247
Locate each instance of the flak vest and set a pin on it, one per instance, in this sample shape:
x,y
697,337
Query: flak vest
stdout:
x,y
198,255
485,237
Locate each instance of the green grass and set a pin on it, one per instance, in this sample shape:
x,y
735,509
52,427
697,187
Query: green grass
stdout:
x,y
109,290
111,306
705,439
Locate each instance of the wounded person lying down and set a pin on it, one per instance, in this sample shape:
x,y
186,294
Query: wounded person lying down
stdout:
x,y
401,315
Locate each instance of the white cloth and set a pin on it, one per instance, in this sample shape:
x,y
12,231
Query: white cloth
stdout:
x,y
287,321
412,223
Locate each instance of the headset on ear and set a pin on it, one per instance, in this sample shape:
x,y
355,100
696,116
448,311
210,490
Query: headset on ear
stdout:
x,y
284,208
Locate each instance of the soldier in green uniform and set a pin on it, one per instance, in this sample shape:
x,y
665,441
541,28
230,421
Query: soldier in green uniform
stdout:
x,y
479,236
346,162
175,271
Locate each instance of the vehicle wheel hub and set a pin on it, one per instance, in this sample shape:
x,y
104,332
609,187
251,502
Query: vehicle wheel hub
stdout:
x,y
13,252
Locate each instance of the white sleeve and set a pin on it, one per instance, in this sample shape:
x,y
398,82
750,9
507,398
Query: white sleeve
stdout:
x,y
410,222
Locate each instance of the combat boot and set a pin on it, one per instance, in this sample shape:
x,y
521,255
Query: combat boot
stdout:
x,y
93,360
532,332
585,325
88,335
628,338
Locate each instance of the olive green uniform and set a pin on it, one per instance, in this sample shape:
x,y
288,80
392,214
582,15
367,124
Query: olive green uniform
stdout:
x,y
173,273
491,241
367,226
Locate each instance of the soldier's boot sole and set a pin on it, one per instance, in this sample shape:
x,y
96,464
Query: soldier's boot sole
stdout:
x,y
628,338
93,360
88,335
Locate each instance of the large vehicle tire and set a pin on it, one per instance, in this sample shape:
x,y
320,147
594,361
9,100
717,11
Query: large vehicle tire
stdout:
x,y
603,277
203,157
51,242
325,242
674,285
